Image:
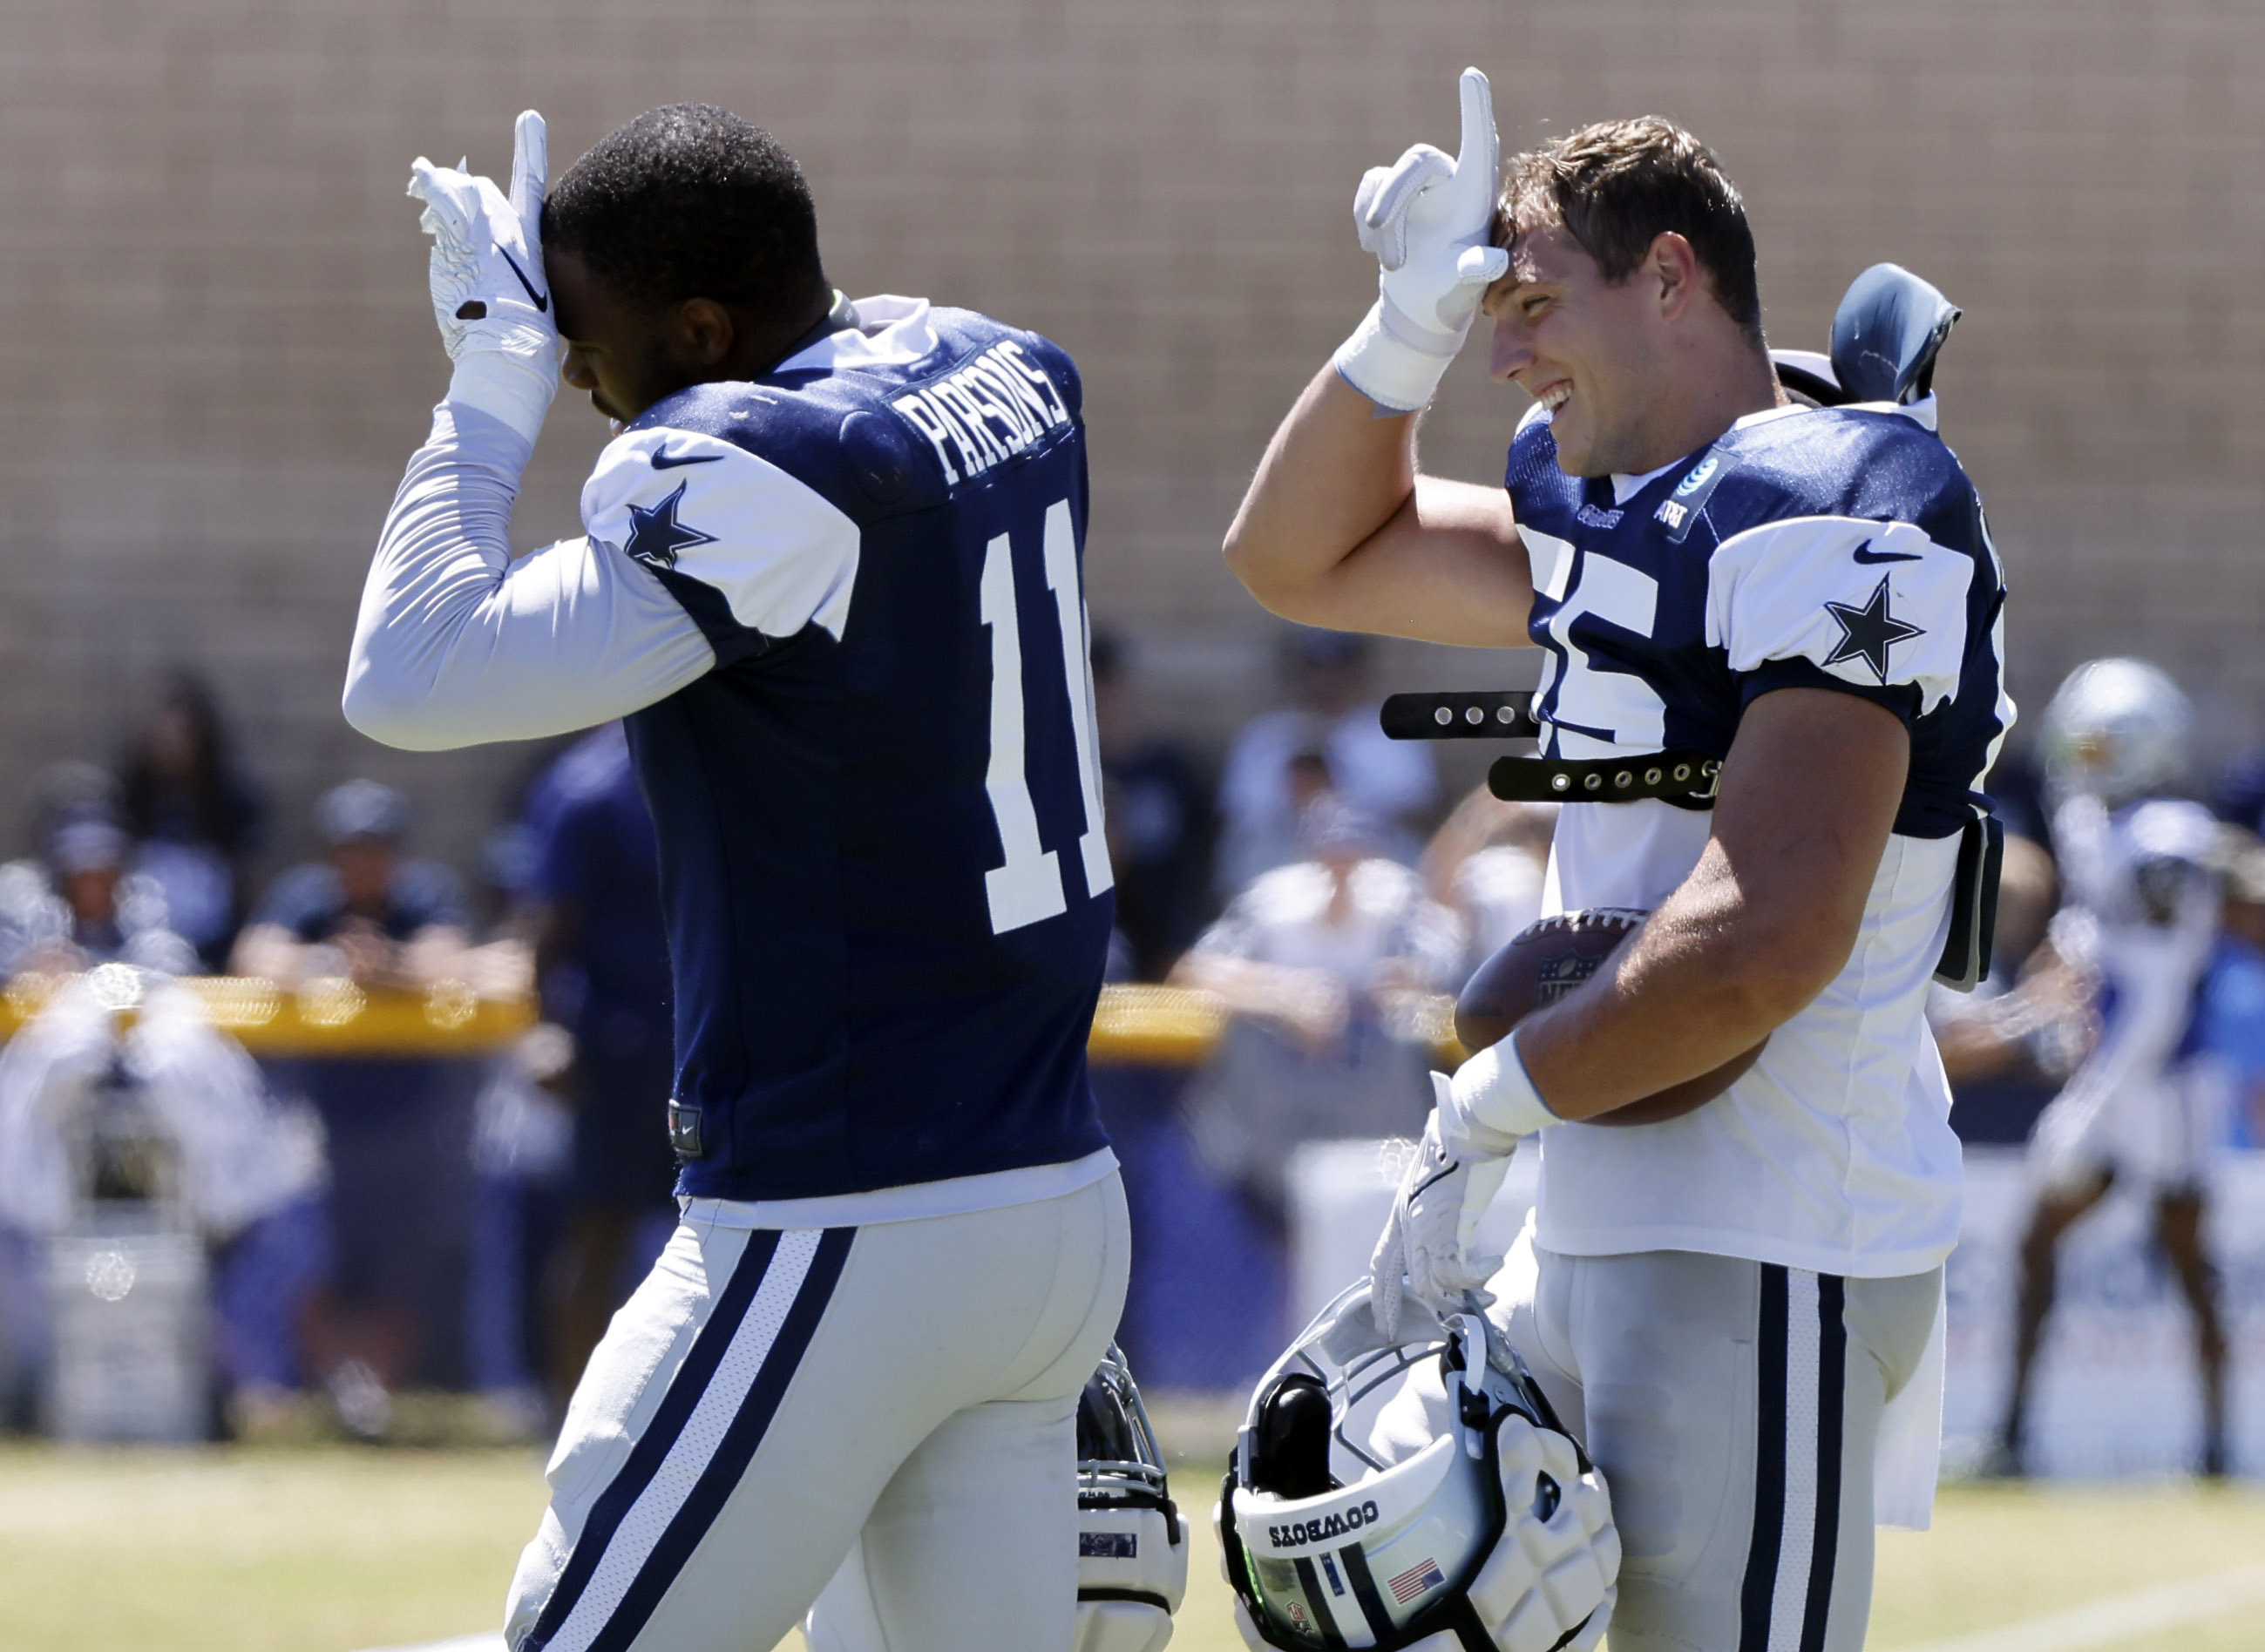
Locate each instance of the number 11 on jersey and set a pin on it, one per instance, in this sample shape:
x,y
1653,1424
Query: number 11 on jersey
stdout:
x,y
1028,887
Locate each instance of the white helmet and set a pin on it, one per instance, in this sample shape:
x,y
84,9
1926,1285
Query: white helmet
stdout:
x,y
1131,1542
2116,730
1381,1497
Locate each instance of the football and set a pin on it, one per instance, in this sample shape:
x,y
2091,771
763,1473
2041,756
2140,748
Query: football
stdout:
x,y
1547,960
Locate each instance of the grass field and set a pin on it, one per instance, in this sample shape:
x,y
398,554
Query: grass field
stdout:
x,y
332,1550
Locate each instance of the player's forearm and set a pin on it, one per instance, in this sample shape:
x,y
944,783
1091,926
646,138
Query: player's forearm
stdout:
x,y
1704,981
1339,530
457,646
1334,473
1764,923
442,553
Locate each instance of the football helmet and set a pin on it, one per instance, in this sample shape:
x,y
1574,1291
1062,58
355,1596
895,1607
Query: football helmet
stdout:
x,y
1415,1487
1131,1542
2116,730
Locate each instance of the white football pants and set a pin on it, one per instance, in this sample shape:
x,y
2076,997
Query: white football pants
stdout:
x,y
1733,1407
766,1397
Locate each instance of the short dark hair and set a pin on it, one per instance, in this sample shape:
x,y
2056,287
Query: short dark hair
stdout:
x,y
690,202
1619,185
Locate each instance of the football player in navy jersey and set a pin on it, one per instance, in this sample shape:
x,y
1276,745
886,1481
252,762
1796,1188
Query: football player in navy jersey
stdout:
x,y
1734,1304
831,576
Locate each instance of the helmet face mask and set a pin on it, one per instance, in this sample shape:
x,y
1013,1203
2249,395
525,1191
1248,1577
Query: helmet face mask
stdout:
x,y
1367,1496
1132,1548
1120,1465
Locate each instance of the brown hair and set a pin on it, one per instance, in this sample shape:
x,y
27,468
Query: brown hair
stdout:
x,y
1618,184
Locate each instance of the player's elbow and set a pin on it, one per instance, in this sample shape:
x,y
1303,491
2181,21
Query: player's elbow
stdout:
x,y
390,716
1275,583
1243,561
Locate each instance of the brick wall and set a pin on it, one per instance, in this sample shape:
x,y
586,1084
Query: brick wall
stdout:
x,y
214,335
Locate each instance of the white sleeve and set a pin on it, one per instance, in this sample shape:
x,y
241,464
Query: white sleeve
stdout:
x,y
456,645
753,554
695,552
1875,605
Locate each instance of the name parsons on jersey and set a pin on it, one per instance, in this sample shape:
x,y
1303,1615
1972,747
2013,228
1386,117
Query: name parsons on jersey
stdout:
x,y
985,413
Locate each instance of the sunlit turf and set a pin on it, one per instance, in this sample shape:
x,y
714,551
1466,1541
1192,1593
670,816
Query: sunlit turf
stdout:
x,y
334,1549
312,1550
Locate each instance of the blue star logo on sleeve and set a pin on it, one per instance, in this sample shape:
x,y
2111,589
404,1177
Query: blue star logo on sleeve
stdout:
x,y
656,536
1869,632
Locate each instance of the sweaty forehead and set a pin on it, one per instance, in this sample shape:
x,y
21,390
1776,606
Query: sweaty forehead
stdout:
x,y
1545,252
586,312
1541,254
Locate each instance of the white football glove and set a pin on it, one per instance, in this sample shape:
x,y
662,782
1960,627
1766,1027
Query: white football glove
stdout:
x,y
1435,1217
1425,217
1476,1120
491,293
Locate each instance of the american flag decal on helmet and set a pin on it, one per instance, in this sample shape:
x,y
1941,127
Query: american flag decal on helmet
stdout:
x,y
1417,1578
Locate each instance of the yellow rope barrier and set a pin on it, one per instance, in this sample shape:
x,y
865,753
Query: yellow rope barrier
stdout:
x,y
1157,1026
1162,1026
332,1017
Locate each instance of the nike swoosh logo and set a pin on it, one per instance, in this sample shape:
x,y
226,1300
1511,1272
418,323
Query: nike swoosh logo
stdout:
x,y
664,460
1865,553
541,301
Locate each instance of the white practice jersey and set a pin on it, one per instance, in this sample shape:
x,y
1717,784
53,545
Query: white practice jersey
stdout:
x,y
1840,549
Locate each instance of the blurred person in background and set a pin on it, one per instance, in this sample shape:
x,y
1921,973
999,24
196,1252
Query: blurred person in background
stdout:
x,y
364,911
2142,900
79,905
164,1116
1489,863
2233,997
399,1129
1332,712
522,1141
1160,821
2008,1045
2238,797
521,1153
1329,967
601,959
195,815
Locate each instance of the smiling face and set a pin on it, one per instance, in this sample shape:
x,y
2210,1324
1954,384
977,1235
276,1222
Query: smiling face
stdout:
x,y
1596,354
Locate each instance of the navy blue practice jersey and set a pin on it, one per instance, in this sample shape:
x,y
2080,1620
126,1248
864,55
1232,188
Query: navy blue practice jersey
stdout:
x,y
887,889
1836,549
1839,548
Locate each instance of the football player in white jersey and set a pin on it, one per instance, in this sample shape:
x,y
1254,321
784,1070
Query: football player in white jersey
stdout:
x,y
2140,919
1724,1303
